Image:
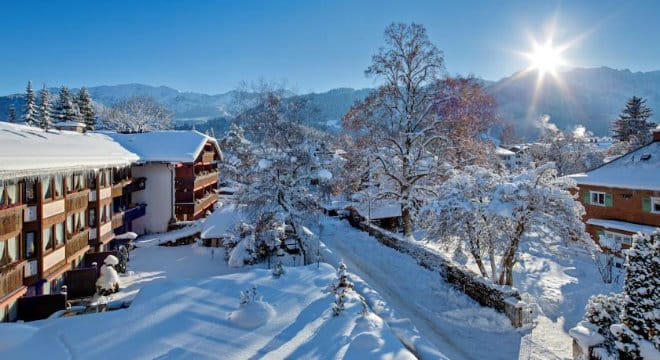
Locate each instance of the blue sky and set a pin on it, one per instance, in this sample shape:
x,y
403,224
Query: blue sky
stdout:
x,y
210,46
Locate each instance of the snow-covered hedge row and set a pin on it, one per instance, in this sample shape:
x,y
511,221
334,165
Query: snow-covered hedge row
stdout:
x,y
500,298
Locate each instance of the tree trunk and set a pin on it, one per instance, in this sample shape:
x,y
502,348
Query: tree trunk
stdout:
x,y
509,258
407,223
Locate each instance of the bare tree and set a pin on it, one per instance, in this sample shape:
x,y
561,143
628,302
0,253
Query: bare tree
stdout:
x,y
397,119
137,114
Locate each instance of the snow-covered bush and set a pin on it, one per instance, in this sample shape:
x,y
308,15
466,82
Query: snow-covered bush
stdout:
x,y
252,311
340,288
278,270
108,281
630,321
250,295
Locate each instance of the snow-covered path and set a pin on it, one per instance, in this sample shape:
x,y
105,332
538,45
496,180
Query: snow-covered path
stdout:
x,y
457,325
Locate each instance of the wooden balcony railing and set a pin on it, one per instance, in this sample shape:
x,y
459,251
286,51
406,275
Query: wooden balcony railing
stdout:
x,y
77,201
117,190
117,220
208,156
11,219
11,279
76,243
205,202
136,184
205,180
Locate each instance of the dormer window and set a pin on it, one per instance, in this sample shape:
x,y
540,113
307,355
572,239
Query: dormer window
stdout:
x,y
645,157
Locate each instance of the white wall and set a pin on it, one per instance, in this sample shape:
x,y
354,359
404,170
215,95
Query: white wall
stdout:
x,y
157,195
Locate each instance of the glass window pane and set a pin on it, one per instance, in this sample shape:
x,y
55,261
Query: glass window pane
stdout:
x,y
59,189
47,238
69,224
29,245
4,253
13,248
69,183
46,188
59,234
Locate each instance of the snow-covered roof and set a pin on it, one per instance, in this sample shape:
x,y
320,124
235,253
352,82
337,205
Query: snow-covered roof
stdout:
x,y
503,151
622,225
30,151
165,145
69,123
220,223
379,210
638,170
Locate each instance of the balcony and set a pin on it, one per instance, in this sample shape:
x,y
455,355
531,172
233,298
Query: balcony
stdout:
x,y
117,220
76,243
77,201
208,157
11,219
202,181
117,190
205,202
11,279
136,184
135,212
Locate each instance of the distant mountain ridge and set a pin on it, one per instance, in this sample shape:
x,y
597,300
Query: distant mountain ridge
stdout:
x,y
589,96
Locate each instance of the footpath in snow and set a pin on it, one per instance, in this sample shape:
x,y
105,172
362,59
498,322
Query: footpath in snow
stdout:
x,y
453,322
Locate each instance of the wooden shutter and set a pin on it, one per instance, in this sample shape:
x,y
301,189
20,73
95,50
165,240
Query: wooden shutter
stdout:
x,y
608,200
586,197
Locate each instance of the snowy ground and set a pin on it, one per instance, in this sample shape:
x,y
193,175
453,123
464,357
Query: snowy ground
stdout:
x,y
557,282
453,322
184,308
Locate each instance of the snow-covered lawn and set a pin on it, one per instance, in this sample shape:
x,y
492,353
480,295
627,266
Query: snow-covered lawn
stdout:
x,y
186,305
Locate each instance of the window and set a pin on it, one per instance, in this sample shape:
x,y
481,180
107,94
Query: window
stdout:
x,y
655,205
30,248
69,184
46,189
618,238
8,194
78,182
597,198
47,239
70,229
59,234
8,251
31,191
92,217
59,186
91,181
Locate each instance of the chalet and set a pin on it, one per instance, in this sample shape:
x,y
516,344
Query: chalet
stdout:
x,y
55,205
181,168
622,197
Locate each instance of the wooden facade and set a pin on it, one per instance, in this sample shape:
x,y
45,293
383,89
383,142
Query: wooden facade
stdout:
x,y
48,224
196,184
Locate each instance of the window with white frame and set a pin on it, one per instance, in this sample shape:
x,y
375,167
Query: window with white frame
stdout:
x,y
597,198
655,205
620,239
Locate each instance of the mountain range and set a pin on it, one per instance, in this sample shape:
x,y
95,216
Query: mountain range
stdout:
x,y
592,97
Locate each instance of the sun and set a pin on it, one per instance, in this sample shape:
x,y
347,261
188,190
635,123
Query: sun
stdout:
x,y
545,58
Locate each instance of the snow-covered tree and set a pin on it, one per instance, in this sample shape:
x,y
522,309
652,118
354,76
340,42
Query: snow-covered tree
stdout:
x,y
641,302
44,112
65,108
493,214
279,180
398,119
84,102
239,156
11,114
108,281
633,121
30,110
137,114
603,311
569,150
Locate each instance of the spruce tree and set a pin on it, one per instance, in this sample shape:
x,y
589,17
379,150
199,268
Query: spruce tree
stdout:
x,y
633,123
11,117
640,315
30,110
65,109
44,113
87,115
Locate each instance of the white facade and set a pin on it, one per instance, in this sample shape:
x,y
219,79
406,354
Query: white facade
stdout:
x,y
158,195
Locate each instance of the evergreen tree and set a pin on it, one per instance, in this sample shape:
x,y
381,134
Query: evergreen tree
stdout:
x,y
12,114
633,123
87,115
44,113
640,315
30,105
65,108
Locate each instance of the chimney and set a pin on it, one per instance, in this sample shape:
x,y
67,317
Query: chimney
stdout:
x,y
656,135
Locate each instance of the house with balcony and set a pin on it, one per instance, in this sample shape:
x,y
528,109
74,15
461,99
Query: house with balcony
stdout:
x,y
181,170
50,214
622,197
